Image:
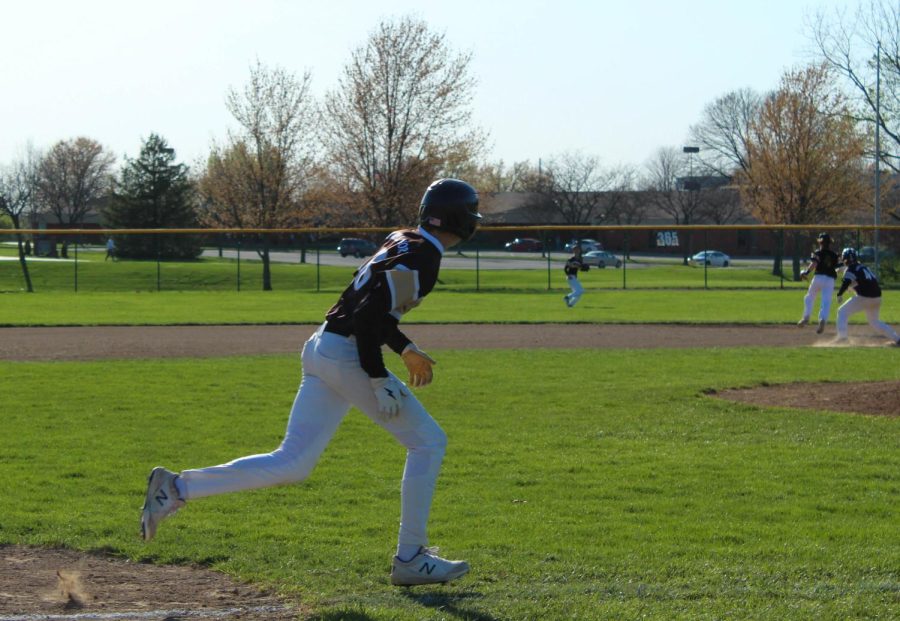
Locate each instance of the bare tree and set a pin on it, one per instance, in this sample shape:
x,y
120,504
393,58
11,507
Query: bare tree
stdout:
x,y
722,205
849,43
73,176
257,180
666,188
17,190
723,131
573,187
400,117
806,154
493,179
620,205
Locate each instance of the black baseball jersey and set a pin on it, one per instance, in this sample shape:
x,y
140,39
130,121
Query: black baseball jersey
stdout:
x,y
573,265
866,282
401,273
826,262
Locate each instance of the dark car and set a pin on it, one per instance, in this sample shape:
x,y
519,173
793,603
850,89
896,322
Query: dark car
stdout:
x,y
356,246
524,244
867,254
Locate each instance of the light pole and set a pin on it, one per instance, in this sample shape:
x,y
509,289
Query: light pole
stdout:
x,y
691,183
877,149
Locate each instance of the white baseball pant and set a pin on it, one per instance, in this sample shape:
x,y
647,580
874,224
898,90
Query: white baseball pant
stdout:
x,y
333,381
820,285
871,307
577,290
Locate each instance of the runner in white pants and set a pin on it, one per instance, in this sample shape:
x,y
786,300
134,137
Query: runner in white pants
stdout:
x,y
867,299
343,367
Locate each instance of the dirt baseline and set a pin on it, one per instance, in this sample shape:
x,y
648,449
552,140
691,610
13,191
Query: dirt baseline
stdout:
x,y
104,342
116,342
38,583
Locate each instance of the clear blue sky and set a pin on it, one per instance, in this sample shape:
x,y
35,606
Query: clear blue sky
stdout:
x,y
612,78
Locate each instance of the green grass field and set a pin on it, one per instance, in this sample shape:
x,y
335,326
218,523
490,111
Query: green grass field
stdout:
x,y
274,307
579,484
92,274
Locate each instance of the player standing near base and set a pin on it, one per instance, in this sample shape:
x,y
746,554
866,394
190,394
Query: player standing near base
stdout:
x,y
867,299
574,265
343,367
824,262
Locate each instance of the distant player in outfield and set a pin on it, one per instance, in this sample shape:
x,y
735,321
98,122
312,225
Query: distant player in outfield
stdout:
x,y
824,263
343,367
867,299
574,265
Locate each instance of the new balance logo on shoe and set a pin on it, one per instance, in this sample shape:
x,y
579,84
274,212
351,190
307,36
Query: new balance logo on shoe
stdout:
x,y
426,567
160,501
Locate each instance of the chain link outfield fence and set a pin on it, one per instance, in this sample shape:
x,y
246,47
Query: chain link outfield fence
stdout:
x,y
497,259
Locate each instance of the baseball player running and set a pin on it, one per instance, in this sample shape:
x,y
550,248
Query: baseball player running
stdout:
x,y
824,262
343,367
574,265
867,299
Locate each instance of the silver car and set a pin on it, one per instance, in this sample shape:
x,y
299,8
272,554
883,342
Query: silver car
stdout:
x,y
601,258
713,258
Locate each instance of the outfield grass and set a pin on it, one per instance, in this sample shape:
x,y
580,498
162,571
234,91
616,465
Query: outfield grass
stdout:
x,y
444,306
579,484
93,274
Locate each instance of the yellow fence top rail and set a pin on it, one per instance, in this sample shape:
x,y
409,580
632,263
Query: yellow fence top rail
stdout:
x,y
533,228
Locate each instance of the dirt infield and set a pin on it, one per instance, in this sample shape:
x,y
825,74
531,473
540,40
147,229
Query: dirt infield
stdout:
x,y
104,342
39,584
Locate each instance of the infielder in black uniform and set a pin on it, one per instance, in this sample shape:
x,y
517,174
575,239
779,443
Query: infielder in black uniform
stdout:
x,y
343,367
867,299
823,262
574,265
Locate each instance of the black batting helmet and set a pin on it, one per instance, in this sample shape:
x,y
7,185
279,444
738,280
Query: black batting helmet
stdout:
x,y
849,255
451,205
824,238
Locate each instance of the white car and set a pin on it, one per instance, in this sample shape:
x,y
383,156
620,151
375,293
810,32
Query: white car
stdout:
x,y
587,245
713,258
601,258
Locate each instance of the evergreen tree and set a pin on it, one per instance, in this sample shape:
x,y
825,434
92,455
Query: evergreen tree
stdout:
x,y
153,192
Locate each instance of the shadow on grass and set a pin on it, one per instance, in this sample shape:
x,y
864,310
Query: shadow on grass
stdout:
x,y
450,603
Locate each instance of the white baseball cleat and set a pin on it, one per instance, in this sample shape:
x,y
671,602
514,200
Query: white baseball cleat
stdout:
x,y
821,328
426,567
161,501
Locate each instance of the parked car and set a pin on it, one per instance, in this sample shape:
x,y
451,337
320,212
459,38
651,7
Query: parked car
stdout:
x,y
356,246
713,258
867,254
587,245
601,258
524,244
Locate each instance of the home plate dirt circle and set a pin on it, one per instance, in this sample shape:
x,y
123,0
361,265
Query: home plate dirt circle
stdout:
x,y
41,584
